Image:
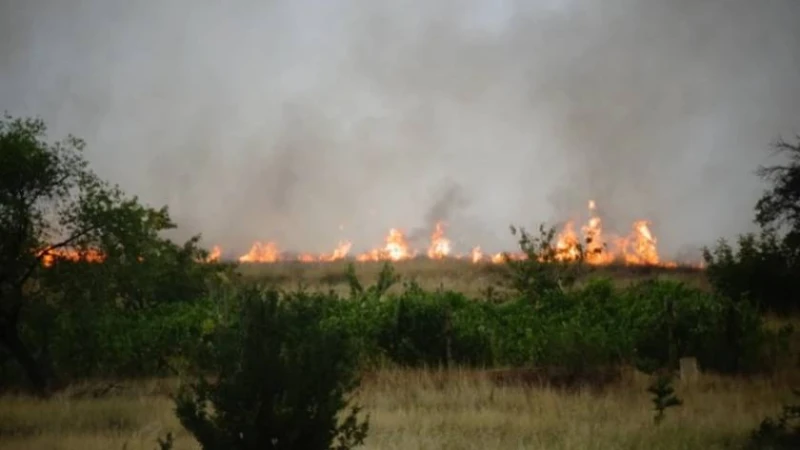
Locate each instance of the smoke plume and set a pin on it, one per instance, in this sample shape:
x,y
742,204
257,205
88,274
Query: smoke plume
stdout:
x,y
307,122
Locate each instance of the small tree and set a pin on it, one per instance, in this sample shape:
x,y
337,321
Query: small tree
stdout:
x,y
53,206
544,268
281,381
663,396
779,206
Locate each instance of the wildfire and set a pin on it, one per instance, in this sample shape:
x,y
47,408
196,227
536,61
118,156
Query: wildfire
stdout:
x,y
262,252
476,255
215,254
638,248
590,240
440,245
71,254
566,247
340,252
396,249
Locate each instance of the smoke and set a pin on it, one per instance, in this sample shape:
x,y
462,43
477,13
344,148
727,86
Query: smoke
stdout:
x,y
307,122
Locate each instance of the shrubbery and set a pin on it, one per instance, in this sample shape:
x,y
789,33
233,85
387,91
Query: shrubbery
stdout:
x,y
763,270
649,324
280,379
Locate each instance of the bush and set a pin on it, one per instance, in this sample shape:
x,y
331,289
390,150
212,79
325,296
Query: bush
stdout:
x,y
763,270
650,324
778,433
280,380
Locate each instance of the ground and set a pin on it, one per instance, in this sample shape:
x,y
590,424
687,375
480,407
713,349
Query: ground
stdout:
x,y
410,409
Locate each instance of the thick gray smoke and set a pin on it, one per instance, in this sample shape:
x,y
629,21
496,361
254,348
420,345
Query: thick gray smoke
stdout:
x,y
309,121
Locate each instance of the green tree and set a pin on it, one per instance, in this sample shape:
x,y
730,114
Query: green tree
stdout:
x,y
281,380
545,270
779,206
764,268
51,202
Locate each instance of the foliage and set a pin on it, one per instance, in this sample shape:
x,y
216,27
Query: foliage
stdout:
x,y
779,206
386,279
543,271
778,433
648,324
51,202
763,270
663,396
281,378
594,325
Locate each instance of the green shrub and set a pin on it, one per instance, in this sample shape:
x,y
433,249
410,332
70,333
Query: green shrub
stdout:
x,y
280,380
763,270
102,341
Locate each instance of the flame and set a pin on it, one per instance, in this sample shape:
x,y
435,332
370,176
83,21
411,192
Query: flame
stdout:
x,y
71,254
262,252
440,245
396,249
639,247
340,252
567,242
476,255
642,245
214,254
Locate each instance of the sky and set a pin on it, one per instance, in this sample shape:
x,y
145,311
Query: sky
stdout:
x,y
309,121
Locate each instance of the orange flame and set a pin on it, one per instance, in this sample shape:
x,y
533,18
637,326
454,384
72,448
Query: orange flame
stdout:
x,y
396,249
71,254
476,255
638,248
440,245
340,252
261,252
566,248
214,254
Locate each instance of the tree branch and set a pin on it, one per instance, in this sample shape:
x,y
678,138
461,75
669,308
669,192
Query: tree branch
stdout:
x,y
42,253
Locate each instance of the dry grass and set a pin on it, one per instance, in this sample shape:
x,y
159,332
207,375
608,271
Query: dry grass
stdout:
x,y
460,275
430,410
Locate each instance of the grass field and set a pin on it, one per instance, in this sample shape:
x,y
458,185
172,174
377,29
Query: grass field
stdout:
x,y
456,274
427,410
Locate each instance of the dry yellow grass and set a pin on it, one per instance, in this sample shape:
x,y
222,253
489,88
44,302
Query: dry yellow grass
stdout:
x,y
460,275
430,410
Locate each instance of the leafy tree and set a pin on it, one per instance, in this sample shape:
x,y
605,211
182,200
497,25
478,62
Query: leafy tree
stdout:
x,y
779,206
761,270
765,267
545,269
55,211
280,380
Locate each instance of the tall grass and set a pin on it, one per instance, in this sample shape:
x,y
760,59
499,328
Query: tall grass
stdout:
x,y
427,409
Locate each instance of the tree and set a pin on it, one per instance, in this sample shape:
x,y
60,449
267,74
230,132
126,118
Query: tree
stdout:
x,y
54,210
765,267
545,269
779,206
280,380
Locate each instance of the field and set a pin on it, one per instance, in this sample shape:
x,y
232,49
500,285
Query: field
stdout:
x,y
452,274
432,408
414,409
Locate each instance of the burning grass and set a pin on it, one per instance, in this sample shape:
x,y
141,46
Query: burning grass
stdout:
x,y
428,409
